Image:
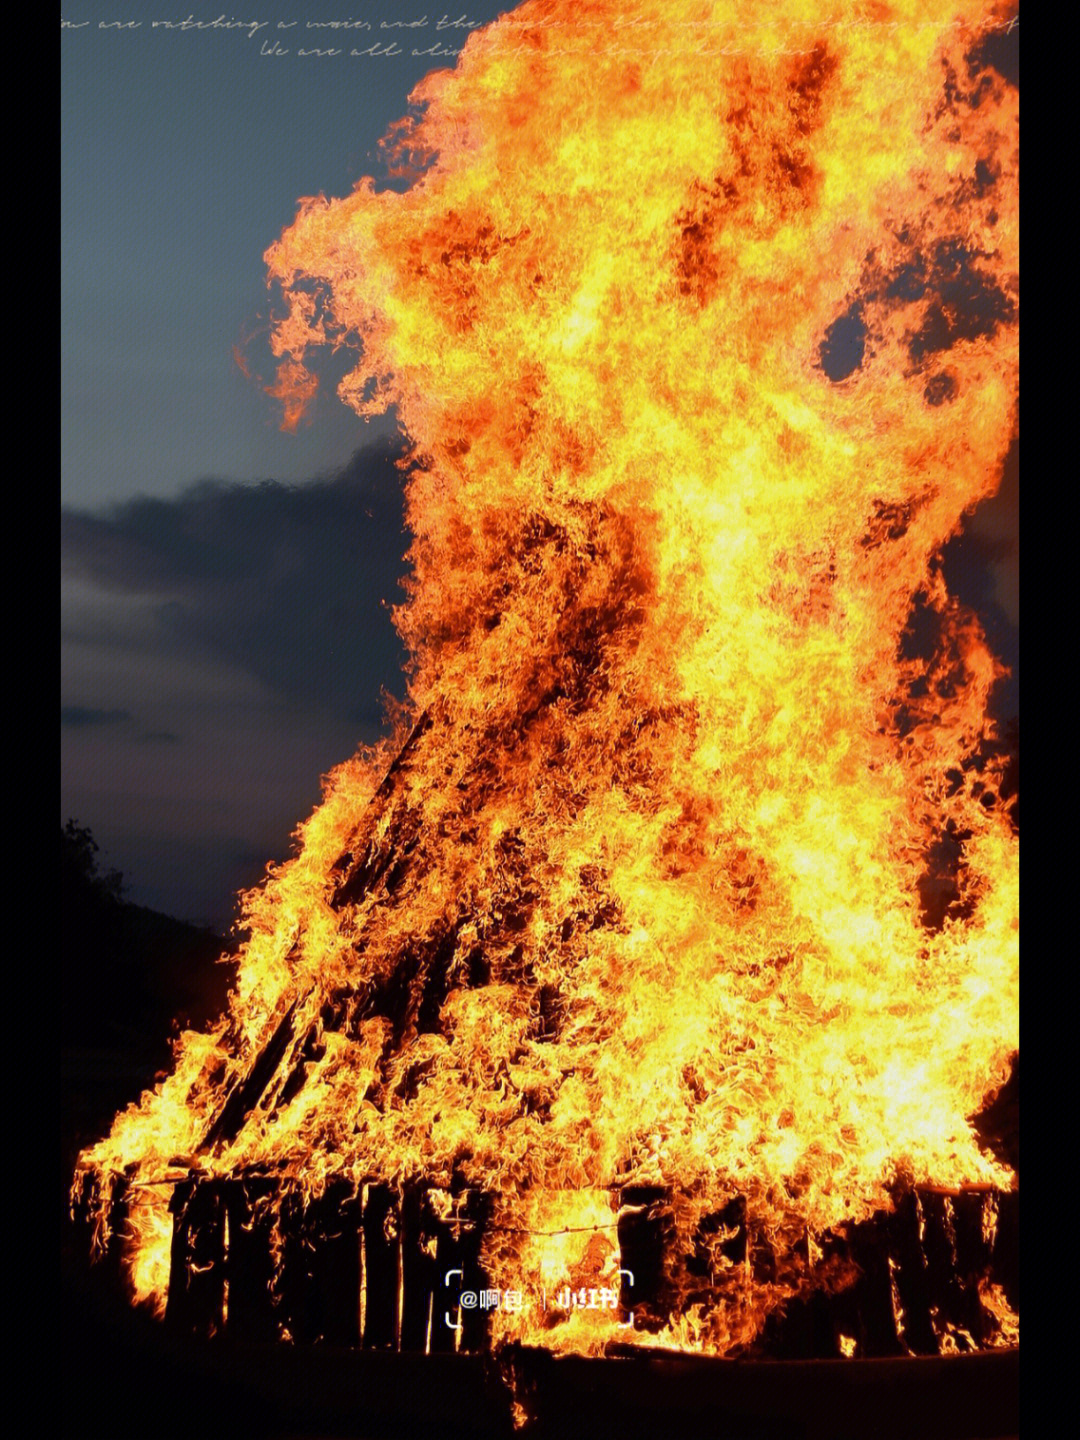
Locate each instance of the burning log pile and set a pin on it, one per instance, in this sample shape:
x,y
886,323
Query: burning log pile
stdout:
x,y
603,990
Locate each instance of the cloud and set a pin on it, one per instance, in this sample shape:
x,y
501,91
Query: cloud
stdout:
x,y
244,631
291,584
79,715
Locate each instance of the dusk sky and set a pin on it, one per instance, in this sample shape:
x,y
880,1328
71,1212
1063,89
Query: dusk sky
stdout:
x,y
225,636
225,586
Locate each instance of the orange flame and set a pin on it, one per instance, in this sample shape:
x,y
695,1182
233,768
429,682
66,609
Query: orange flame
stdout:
x,y
640,902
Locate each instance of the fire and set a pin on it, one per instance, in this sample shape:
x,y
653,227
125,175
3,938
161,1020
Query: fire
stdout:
x,y
637,903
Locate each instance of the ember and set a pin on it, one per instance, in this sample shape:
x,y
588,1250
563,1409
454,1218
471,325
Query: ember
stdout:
x,y
610,971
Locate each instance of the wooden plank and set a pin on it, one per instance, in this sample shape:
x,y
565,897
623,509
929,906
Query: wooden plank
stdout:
x,y
245,1095
333,1224
912,1276
417,1241
380,1260
362,866
1006,1265
474,1212
196,1300
251,1211
458,1243
646,1231
320,1276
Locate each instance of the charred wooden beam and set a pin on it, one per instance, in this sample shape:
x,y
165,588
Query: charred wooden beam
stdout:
x,y
450,1265
453,1244
920,1273
411,993
646,1231
251,1208
332,1233
435,983
1006,1261
320,1275
99,1214
912,1276
939,1244
975,1225
196,1300
960,1243
810,1329
363,865
720,1237
389,857
417,1242
405,754
472,1215
247,1093
380,1267
879,1303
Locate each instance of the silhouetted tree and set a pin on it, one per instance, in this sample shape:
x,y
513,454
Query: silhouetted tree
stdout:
x,y
79,873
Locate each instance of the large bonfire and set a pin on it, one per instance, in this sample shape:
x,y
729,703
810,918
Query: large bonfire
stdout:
x,y
631,897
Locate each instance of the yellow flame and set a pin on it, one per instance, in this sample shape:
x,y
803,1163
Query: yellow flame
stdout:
x,y
644,901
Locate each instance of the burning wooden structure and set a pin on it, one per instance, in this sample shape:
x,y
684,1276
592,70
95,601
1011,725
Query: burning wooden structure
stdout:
x,y
387,1269
603,991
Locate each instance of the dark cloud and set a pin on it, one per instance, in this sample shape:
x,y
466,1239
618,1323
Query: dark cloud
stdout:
x,y
79,715
982,567
290,584
245,632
